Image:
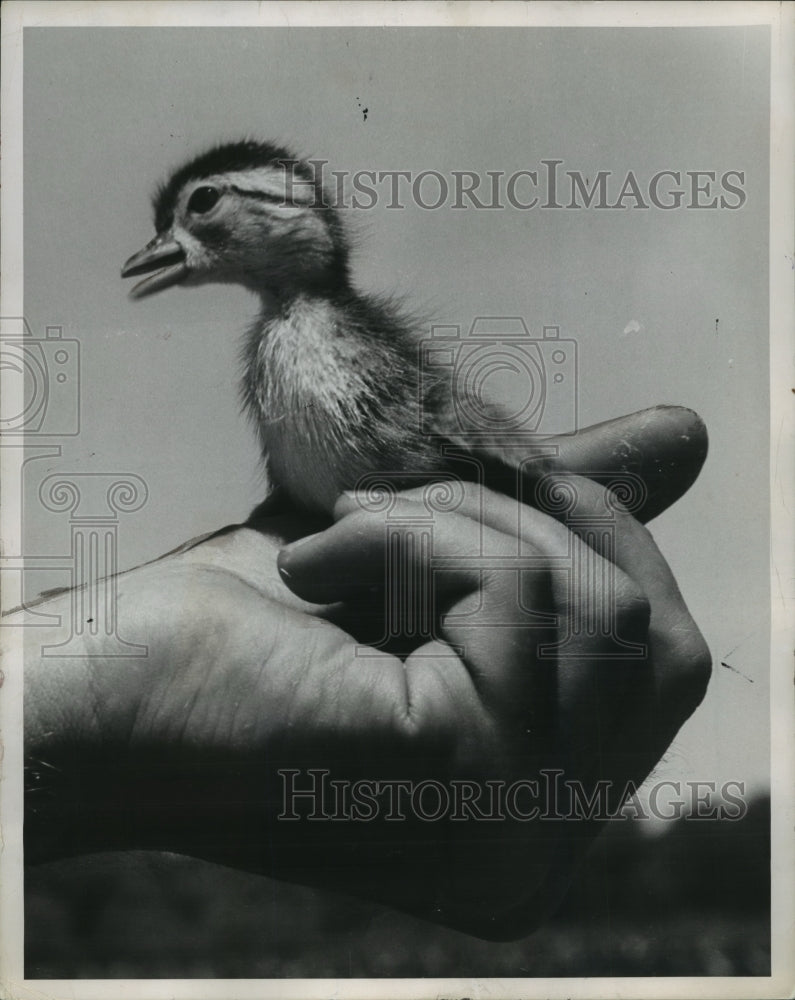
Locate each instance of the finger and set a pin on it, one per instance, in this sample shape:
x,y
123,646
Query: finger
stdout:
x,y
678,666
678,656
507,637
449,580
665,446
596,514
490,508
585,682
665,672
571,505
598,517
354,555
657,453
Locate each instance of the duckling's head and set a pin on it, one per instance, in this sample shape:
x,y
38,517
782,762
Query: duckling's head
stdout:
x,y
248,213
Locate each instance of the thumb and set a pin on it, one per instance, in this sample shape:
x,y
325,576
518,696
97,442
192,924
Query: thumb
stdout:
x,y
665,446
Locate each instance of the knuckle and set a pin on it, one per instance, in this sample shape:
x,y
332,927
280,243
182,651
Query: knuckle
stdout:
x,y
626,522
631,603
688,678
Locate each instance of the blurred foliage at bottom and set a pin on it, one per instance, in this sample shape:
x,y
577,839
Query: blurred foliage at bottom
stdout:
x,y
692,901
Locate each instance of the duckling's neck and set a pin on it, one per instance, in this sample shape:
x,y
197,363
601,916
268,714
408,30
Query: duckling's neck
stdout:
x,y
333,386
281,286
304,384
306,349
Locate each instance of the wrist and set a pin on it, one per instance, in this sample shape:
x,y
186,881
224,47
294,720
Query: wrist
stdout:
x,y
73,740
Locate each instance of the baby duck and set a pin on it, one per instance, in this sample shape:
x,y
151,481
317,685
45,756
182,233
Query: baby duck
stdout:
x,y
332,379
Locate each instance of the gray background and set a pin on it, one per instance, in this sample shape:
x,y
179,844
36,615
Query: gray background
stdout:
x,y
109,111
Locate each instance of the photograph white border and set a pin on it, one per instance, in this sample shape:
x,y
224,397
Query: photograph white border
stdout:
x,y
18,14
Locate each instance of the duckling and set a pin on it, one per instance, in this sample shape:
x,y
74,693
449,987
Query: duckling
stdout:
x,y
331,378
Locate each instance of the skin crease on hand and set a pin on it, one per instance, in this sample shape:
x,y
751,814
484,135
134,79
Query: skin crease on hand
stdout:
x,y
252,666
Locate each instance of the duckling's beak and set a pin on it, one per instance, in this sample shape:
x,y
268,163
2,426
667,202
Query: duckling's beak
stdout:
x,y
165,257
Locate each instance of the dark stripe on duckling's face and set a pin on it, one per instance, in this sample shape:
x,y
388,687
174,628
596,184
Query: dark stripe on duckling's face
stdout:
x,y
269,196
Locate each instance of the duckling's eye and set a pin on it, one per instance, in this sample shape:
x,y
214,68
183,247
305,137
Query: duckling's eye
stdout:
x,y
203,199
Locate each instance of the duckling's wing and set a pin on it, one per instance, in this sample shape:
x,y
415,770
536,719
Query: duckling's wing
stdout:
x,y
485,443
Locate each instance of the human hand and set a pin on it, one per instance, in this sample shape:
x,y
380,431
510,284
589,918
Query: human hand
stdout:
x,y
181,750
